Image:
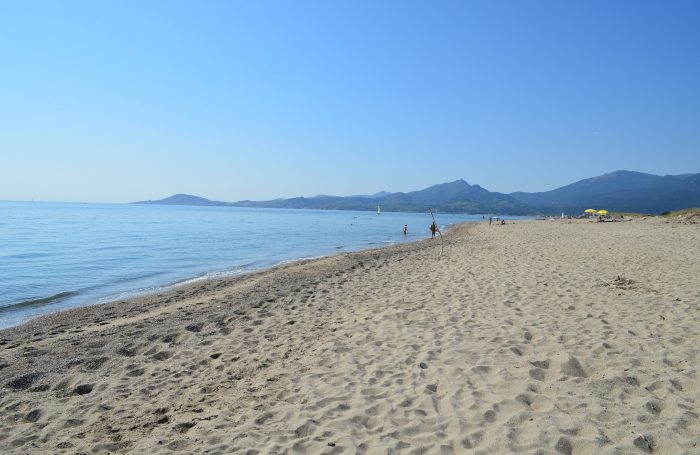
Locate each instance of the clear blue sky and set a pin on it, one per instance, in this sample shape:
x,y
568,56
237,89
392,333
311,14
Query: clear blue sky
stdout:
x,y
129,100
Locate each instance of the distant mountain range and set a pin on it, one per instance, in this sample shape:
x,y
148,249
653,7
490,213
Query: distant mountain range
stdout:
x,y
619,191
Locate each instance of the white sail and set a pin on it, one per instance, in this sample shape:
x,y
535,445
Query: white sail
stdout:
x,y
379,210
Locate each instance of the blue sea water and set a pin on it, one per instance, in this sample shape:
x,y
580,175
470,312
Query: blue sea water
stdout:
x,y
55,256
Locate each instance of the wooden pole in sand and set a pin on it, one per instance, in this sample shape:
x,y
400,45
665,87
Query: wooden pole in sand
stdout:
x,y
442,243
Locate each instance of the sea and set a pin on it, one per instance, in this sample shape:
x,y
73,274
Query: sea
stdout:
x,y
55,256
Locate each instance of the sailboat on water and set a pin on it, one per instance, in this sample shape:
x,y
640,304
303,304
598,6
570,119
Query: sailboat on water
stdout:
x,y
379,210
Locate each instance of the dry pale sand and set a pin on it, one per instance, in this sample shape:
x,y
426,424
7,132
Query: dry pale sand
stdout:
x,y
534,337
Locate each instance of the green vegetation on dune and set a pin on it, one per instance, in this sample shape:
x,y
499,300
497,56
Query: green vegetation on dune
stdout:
x,y
693,211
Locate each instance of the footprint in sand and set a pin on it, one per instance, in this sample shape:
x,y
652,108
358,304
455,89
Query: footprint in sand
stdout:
x,y
195,328
537,374
33,416
136,372
24,382
83,389
162,355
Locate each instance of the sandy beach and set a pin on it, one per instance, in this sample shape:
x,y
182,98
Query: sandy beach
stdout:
x,y
547,337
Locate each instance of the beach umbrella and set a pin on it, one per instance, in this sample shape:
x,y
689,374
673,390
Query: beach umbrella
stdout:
x,y
602,212
589,211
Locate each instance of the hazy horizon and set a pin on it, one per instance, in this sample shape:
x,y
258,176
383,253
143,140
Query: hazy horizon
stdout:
x,y
130,101
286,197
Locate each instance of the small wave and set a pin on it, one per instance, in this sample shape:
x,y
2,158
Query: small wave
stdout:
x,y
141,292
140,276
25,255
210,275
38,302
132,294
303,258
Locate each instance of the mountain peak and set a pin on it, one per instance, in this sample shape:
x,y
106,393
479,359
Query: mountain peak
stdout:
x,y
457,184
621,190
623,173
181,199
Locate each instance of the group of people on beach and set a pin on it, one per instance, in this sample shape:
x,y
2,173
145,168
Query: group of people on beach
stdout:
x,y
433,229
498,222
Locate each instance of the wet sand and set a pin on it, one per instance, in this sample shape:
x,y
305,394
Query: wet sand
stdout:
x,y
559,337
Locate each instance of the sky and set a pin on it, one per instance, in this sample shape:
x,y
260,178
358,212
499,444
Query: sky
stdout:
x,y
131,100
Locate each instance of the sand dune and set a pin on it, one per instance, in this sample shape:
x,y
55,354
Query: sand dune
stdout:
x,y
534,337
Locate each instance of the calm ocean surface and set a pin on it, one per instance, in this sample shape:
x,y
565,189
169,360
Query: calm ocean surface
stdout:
x,y
55,256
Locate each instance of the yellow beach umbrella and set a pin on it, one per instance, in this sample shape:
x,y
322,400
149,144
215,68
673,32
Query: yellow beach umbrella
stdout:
x,y
602,212
589,211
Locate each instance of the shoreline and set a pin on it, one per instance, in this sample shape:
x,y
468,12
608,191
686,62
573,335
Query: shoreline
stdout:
x,y
156,289
190,285
562,337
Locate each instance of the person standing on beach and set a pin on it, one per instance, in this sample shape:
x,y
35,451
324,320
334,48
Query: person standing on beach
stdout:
x,y
490,219
433,229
